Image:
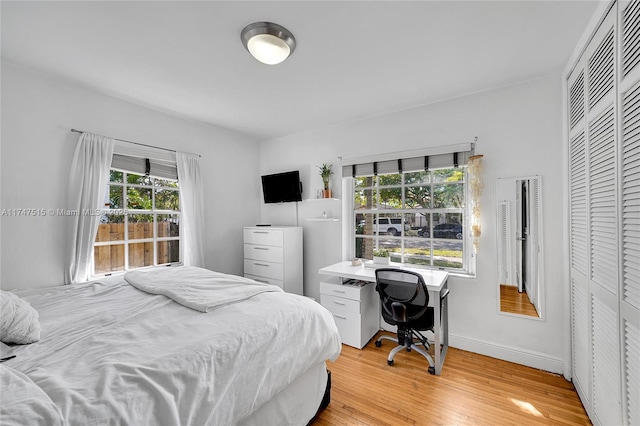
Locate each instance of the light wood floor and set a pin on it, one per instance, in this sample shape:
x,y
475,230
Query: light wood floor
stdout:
x,y
472,390
511,300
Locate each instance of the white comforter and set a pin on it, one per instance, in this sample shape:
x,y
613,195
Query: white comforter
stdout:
x,y
197,288
111,354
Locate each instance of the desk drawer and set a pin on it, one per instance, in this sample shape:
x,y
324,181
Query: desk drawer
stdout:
x,y
266,253
339,290
339,305
348,325
266,236
262,268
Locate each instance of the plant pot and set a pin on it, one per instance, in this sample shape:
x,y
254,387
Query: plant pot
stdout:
x,y
326,193
381,260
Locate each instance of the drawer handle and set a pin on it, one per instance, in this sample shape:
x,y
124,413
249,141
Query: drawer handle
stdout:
x,y
260,248
260,264
340,316
339,291
260,232
338,303
261,281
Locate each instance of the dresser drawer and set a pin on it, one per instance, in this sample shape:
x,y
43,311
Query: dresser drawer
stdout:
x,y
261,268
339,290
267,253
339,305
264,236
265,280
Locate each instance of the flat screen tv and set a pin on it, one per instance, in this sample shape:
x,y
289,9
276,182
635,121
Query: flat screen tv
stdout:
x,y
282,187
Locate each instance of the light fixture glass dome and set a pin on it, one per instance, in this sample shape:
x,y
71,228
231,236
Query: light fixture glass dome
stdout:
x,y
269,43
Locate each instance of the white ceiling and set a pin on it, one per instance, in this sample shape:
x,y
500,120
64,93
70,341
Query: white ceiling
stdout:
x,y
354,59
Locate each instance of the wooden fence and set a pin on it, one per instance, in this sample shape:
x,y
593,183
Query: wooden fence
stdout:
x,y
110,258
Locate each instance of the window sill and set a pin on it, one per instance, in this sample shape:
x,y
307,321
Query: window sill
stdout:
x,y
457,274
120,273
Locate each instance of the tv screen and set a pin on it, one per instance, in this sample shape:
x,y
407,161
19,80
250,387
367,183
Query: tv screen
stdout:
x,y
282,187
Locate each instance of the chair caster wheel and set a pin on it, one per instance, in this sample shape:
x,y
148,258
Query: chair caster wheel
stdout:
x,y
432,370
378,343
390,362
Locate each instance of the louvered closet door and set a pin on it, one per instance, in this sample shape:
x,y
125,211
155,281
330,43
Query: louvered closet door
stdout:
x,y
604,187
578,236
629,178
630,303
601,69
593,225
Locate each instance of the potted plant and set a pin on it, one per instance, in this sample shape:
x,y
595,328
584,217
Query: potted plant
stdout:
x,y
381,257
326,170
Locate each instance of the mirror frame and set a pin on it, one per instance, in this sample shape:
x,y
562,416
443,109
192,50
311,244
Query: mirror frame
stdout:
x,y
541,278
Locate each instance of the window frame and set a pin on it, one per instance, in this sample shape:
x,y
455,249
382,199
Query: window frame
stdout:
x,y
126,212
468,256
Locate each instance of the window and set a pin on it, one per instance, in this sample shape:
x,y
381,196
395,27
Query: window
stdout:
x,y
139,225
419,217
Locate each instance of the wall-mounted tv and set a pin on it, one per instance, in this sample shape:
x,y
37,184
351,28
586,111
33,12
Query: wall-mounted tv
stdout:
x,y
282,187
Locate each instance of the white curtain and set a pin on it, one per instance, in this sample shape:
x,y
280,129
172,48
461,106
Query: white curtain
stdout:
x,y
192,208
87,185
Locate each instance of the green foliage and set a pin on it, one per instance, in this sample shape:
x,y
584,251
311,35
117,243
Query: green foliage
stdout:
x,y
447,191
326,170
140,191
381,253
416,197
433,191
167,199
139,198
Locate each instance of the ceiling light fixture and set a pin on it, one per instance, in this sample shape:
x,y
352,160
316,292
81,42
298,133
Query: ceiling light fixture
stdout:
x,y
268,42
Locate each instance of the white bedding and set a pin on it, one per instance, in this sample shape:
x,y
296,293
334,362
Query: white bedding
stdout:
x,y
197,288
112,354
23,399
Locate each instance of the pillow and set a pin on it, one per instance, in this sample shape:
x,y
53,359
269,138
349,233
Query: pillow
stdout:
x,y
18,320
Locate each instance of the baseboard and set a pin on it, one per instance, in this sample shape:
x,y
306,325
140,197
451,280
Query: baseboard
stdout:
x,y
506,353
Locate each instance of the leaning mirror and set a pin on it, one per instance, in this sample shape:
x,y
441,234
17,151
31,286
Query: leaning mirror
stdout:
x,y
519,243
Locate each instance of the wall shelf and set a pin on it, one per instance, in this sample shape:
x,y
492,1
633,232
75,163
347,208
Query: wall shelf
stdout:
x,y
321,199
323,219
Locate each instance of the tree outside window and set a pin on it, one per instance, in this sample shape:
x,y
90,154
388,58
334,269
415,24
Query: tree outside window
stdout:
x,y
419,217
139,225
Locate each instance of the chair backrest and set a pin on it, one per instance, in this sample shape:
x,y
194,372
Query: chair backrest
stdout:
x,y
401,286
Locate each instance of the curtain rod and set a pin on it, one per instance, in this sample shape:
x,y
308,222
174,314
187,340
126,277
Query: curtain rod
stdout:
x,y
136,143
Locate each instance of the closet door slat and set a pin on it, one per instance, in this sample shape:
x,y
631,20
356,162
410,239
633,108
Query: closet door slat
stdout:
x,y
630,37
578,204
602,200
631,197
606,374
632,372
601,70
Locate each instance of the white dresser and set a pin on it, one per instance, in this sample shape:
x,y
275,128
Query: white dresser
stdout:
x,y
355,309
273,255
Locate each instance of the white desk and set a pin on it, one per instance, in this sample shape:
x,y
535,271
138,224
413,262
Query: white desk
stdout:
x,y
436,282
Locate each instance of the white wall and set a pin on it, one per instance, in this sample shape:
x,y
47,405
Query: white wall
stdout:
x,y
38,112
519,130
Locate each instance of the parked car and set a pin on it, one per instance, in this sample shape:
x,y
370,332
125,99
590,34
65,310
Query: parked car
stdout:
x,y
388,225
443,230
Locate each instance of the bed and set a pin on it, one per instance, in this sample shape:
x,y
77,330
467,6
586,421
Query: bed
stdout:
x,y
111,353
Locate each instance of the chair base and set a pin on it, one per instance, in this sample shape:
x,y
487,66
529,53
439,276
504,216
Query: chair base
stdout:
x,y
400,347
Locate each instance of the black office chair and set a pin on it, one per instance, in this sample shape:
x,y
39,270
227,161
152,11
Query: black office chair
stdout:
x,y
404,298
